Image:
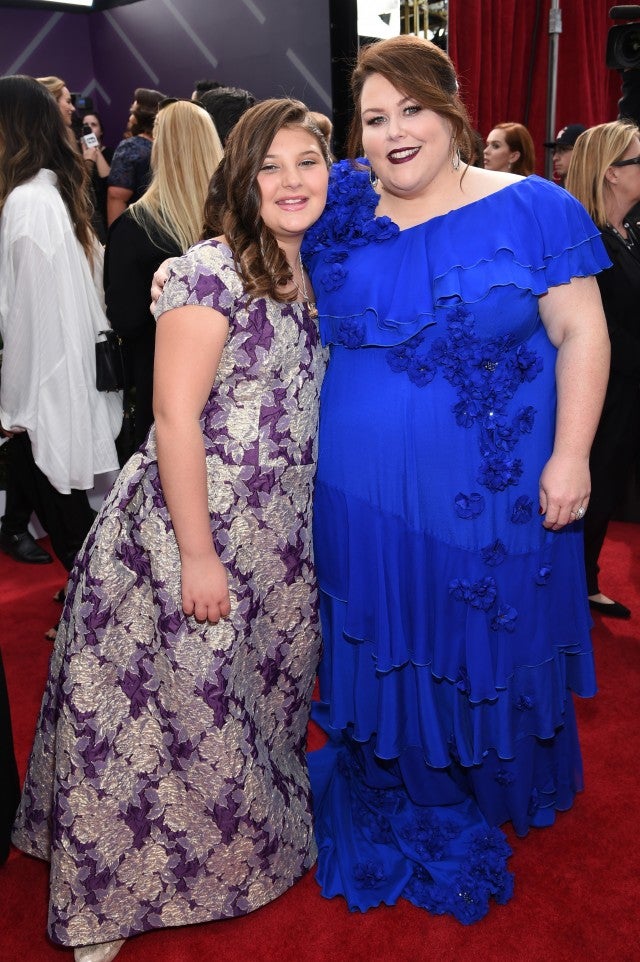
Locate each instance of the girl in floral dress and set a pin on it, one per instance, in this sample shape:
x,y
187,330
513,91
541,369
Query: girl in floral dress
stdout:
x,y
168,781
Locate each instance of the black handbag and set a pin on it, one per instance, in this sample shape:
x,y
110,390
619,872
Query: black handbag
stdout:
x,y
109,362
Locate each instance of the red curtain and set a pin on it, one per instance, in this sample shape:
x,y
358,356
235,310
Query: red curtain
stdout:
x,y
501,51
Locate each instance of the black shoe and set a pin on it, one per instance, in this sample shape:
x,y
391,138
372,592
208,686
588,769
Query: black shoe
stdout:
x,y
22,547
613,610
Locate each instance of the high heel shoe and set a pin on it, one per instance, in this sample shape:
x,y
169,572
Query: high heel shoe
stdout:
x,y
102,952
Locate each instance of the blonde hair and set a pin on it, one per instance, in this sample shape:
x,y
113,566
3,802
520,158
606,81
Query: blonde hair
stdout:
x,y
54,85
186,152
594,152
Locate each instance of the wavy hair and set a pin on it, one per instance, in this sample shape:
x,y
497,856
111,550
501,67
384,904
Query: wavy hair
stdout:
x,y
594,152
186,152
419,70
54,85
518,138
33,135
233,204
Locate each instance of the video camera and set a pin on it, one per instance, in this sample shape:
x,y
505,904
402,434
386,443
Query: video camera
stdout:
x,y
84,105
623,42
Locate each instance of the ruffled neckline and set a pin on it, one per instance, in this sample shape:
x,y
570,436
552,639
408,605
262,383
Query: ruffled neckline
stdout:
x,y
364,268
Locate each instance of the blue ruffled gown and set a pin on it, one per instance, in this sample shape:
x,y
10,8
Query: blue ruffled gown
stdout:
x,y
455,626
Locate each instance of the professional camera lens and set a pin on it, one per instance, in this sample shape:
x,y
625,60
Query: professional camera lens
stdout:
x,y
623,47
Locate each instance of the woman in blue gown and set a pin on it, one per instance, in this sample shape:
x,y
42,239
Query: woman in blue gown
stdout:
x,y
469,359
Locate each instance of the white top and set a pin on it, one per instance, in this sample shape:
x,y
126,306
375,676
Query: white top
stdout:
x,y
50,313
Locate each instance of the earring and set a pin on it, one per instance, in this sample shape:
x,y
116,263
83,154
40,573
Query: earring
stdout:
x,y
455,160
373,180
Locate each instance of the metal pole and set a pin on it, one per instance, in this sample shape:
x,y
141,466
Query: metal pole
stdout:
x,y
555,29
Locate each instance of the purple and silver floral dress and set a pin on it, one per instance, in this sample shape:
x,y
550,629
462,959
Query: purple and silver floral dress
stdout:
x,y
168,781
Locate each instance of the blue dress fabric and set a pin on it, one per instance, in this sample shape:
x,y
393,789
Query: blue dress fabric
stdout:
x,y
455,626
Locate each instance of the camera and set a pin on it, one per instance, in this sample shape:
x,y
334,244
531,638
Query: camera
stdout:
x,y
623,42
88,138
84,105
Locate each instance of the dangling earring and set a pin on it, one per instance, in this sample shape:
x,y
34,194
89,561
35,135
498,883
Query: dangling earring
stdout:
x,y
455,160
373,180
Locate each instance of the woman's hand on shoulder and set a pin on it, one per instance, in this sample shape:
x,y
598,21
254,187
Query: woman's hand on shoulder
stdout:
x,y
205,588
565,486
159,280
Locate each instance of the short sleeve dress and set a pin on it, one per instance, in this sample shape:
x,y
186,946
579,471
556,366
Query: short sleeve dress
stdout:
x,y
131,166
168,781
455,626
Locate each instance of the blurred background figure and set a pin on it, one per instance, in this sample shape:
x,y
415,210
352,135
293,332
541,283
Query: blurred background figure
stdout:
x,y
61,428
510,148
98,160
226,106
604,174
130,173
60,92
15,538
202,86
562,148
165,222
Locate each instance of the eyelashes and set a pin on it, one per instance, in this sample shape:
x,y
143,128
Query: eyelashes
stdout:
x,y
410,111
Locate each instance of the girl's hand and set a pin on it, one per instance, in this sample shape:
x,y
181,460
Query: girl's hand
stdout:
x,y
205,588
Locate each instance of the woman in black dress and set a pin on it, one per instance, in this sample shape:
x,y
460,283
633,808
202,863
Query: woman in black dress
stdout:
x,y
165,222
604,175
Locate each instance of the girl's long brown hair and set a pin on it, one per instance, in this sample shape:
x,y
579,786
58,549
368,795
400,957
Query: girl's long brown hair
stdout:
x,y
232,207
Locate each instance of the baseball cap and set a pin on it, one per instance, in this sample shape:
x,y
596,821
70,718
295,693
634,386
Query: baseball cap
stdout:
x,y
567,136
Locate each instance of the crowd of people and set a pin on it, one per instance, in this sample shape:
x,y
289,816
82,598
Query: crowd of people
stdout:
x,y
327,456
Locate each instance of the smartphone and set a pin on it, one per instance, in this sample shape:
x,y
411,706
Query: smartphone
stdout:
x,y
88,138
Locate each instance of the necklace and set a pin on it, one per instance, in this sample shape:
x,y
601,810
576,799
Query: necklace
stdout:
x,y
628,241
311,306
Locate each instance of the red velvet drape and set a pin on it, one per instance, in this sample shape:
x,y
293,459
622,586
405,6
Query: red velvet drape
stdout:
x,y
501,51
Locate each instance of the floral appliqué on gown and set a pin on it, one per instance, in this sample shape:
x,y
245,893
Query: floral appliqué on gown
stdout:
x,y
455,627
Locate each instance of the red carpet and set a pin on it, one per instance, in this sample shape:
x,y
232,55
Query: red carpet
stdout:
x,y
577,884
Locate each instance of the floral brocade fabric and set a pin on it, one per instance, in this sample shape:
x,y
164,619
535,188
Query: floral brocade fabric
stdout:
x,y
168,781
455,626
